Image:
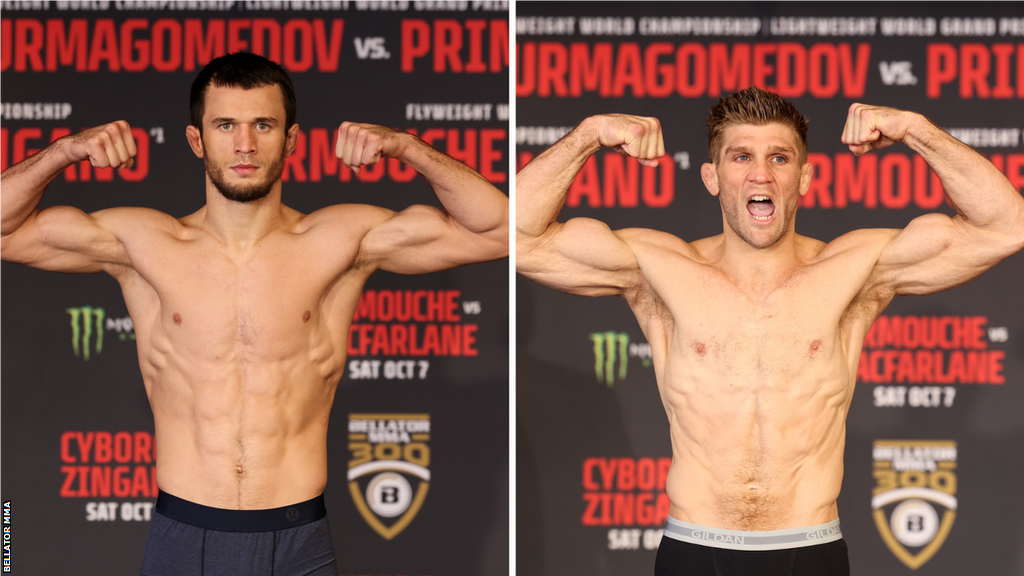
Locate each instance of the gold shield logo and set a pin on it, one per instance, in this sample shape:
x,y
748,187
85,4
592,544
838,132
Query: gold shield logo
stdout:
x,y
914,499
388,474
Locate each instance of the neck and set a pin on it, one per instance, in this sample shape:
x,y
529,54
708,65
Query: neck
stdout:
x,y
242,224
759,269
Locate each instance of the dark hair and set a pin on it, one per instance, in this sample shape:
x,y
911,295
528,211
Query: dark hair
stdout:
x,y
240,70
758,107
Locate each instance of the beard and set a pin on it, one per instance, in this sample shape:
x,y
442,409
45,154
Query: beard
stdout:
x,y
245,193
735,218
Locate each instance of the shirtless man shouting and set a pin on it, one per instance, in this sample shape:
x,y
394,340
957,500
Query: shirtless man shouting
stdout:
x,y
242,309
756,333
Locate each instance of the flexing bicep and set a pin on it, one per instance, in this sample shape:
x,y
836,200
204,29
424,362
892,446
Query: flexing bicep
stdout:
x,y
66,239
422,239
936,252
581,256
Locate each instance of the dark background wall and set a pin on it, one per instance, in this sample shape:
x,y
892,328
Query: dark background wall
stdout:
x,y
591,432
77,456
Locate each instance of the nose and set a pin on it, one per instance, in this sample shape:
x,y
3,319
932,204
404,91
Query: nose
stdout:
x,y
245,142
760,172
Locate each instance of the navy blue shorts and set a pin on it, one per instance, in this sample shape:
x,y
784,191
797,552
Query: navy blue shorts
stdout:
x,y
188,539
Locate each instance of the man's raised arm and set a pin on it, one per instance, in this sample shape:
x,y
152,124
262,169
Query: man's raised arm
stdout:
x,y
582,256
61,238
935,252
472,228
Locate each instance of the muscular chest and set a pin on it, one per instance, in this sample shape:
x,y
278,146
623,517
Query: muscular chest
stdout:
x,y
264,302
739,334
714,328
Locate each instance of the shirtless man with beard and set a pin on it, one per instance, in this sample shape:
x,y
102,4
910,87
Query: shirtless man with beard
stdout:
x,y
241,310
756,333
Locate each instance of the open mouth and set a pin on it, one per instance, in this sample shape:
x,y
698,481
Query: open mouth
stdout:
x,y
761,208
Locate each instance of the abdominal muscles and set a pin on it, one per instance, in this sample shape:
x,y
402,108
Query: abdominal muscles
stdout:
x,y
242,423
757,448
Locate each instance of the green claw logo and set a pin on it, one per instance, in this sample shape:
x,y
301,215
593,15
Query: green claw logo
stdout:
x,y
86,321
609,347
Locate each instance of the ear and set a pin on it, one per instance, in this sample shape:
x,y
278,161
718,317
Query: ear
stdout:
x,y
710,177
195,140
291,140
806,175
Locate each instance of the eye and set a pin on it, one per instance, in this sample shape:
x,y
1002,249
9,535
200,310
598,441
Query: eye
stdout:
x,y
224,127
742,157
779,159
263,126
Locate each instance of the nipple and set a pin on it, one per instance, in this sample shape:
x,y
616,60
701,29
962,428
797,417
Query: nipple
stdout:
x,y
699,347
239,470
814,347
305,316
177,319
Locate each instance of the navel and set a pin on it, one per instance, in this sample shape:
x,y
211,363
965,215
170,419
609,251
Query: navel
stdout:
x,y
177,319
305,316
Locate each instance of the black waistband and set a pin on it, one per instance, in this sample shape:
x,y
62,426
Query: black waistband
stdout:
x,y
241,520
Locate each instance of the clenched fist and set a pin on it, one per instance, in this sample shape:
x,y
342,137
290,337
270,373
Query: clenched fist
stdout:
x,y
106,146
636,136
872,127
365,144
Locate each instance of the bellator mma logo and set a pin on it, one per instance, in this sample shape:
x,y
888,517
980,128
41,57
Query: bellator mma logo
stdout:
x,y
388,450
914,499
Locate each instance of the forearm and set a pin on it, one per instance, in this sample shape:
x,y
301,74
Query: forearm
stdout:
x,y
24,183
981,195
467,197
541,186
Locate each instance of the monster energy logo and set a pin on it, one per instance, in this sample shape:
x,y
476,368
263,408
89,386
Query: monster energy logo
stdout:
x,y
85,321
609,346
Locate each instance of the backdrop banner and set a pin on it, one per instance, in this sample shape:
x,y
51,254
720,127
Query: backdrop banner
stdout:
x,y
426,381
941,380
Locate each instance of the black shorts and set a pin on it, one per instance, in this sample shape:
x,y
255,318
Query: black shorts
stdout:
x,y
687,558
677,558
188,539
